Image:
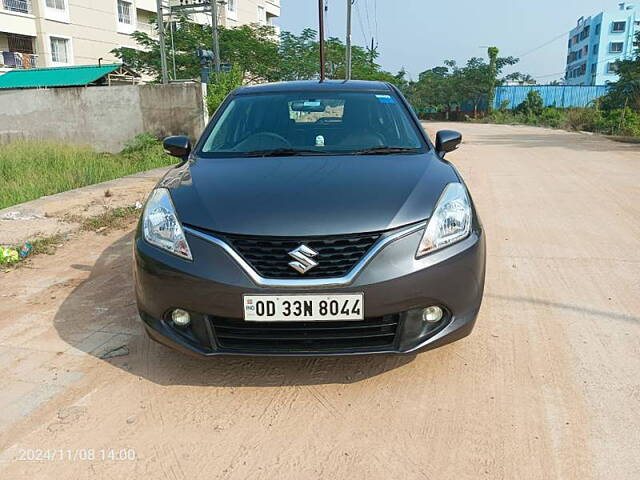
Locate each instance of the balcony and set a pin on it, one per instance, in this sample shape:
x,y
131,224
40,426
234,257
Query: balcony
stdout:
x,y
272,8
147,28
17,6
11,60
16,17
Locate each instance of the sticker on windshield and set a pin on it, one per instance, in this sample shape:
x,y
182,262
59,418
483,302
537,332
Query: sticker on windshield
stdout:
x,y
385,99
319,141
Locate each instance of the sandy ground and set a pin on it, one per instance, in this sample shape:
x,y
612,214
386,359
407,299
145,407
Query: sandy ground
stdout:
x,y
547,386
59,213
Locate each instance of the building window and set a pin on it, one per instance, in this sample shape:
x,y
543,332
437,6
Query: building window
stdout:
x,y
596,47
56,4
231,6
612,67
585,33
616,47
619,27
262,15
57,10
586,50
124,12
594,68
20,43
60,50
20,6
598,29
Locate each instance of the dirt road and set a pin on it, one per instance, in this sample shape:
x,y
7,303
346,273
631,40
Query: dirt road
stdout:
x,y
547,387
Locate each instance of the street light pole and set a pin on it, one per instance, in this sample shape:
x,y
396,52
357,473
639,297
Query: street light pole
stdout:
x,y
163,52
321,20
348,62
214,34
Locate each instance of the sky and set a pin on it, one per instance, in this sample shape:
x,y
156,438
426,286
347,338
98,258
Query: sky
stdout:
x,y
421,34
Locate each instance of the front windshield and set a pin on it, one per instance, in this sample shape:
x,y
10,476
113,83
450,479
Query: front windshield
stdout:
x,y
309,123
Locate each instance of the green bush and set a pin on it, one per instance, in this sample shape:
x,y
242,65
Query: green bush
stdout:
x,y
552,117
625,122
222,84
620,121
582,119
141,143
532,105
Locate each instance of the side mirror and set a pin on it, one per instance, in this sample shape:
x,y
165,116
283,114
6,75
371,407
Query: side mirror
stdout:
x,y
447,141
179,146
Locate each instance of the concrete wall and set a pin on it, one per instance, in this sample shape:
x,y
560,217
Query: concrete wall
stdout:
x,y
103,117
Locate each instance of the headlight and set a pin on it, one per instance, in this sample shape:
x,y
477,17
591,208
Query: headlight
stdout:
x,y
161,227
450,222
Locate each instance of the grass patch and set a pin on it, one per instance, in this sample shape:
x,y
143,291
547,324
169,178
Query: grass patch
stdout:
x,y
47,245
30,169
39,246
112,219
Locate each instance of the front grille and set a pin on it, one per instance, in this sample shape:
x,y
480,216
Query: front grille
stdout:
x,y
269,256
317,337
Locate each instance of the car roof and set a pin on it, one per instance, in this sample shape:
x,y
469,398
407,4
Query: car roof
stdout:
x,y
316,86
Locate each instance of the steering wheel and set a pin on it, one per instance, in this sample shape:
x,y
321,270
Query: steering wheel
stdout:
x,y
264,140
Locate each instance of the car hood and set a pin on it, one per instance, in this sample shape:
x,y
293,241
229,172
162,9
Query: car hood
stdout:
x,y
308,195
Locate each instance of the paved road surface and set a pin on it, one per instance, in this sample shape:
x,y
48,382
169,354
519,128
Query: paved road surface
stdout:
x,y
547,387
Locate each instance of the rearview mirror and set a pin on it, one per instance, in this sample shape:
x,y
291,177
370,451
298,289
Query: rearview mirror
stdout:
x,y
308,106
447,141
178,146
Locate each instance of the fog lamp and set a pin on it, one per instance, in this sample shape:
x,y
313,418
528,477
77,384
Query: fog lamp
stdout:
x,y
180,317
432,314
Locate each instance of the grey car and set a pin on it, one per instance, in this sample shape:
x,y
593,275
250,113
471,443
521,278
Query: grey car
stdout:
x,y
310,218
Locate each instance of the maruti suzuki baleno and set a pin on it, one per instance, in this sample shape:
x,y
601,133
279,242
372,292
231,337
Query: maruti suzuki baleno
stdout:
x,y
310,218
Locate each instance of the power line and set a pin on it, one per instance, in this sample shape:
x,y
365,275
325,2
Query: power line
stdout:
x,y
364,36
543,45
586,63
375,15
366,9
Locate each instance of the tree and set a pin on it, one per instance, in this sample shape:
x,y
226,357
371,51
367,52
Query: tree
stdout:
x,y
446,86
255,52
626,91
533,105
250,48
521,78
435,89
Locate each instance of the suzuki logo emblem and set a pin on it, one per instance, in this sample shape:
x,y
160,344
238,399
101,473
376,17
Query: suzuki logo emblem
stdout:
x,y
303,256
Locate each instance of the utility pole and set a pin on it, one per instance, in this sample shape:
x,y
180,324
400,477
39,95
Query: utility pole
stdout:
x,y
493,59
348,62
321,20
214,33
163,52
372,48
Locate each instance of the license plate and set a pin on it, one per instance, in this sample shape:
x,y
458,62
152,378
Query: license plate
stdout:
x,y
303,308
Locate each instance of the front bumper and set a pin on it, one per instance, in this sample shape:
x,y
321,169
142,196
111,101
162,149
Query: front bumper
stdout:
x,y
394,283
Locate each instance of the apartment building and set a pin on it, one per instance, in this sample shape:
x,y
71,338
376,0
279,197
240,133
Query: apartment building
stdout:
x,y
597,42
233,13
50,33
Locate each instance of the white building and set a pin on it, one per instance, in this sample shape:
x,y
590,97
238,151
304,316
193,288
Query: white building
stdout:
x,y
50,33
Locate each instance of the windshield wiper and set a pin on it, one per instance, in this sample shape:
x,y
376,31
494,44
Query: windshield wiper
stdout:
x,y
385,151
280,152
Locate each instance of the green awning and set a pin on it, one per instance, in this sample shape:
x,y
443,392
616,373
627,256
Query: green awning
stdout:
x,y
75,76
